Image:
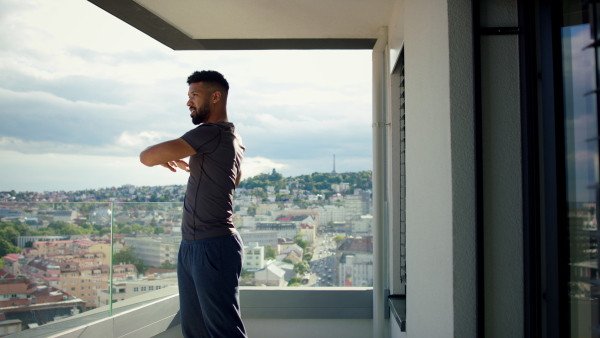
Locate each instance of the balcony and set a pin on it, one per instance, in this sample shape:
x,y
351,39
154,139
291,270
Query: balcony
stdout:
x,y
267,312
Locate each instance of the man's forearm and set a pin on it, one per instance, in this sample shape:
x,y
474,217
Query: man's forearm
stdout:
x,y
166,152
238,178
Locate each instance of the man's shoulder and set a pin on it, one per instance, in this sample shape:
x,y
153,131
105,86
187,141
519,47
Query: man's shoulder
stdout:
x,y
204,128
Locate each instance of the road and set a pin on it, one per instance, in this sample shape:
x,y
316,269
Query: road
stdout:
x,y
323,263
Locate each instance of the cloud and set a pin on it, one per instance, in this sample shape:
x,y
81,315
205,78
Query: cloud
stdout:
x,y
252,166
76,172
80,82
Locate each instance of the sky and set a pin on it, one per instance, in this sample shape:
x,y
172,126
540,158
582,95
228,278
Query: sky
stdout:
x,y
82,93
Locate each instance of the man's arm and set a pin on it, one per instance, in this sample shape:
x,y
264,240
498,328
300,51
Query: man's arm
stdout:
x,y
238,179
166,152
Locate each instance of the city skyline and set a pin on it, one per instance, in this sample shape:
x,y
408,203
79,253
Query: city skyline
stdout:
x,y
78,102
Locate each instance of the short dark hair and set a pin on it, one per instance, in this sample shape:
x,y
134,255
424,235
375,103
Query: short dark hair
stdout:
x,y
209,76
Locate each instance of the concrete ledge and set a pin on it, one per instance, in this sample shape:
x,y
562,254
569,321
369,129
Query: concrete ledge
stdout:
x,y
307,303
146,315
155,313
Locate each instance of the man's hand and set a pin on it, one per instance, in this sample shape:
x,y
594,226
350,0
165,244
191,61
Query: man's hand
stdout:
x,y
181,164
172,165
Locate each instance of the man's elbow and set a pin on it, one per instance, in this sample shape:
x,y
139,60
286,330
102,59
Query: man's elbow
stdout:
x,y
146,159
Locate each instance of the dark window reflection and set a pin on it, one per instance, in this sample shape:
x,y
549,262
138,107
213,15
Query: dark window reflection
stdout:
x,y
581,145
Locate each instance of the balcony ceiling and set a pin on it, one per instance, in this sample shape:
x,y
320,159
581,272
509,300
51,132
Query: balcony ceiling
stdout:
x,y
256,24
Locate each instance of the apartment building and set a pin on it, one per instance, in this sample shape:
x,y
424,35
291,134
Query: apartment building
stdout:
x,y
154,250
362,226
22,240
84,282
20,296
11,263
254,256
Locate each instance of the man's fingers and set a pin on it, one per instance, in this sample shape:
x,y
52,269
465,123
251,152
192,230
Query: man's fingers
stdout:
x,y
182,165
168,166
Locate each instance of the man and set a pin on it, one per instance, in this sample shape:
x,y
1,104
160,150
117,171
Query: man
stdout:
x,y
210,256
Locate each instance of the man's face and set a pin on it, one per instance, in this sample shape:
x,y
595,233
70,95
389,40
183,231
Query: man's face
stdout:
x,y
198,102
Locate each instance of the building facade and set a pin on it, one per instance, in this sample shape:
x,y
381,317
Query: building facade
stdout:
x,y
155,250
254,256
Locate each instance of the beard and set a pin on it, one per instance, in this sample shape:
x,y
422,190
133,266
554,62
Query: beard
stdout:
x,y
201,114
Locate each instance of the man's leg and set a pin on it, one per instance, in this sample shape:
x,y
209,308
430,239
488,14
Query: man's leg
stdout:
x,y
192,322
217,281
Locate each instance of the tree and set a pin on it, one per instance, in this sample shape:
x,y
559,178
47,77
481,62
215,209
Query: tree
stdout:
x,y
302,204
301,268
128,256
275,176
338,238
10,235
87,226
301,243
7,248
247,276
21,228
260,193
295,281
135,227
252,210
270,252
168,265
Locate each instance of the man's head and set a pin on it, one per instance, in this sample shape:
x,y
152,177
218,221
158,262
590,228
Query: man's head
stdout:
x,y
207,95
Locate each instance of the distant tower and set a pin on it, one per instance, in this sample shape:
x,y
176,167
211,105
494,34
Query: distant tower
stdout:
x,y
333,172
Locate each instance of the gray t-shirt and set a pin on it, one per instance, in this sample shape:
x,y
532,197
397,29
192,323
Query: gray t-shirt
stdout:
x,y
207,208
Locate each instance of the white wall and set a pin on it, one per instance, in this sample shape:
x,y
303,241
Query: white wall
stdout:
x,y
440,169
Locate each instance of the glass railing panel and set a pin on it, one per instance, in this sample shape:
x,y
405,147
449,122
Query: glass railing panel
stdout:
x,y
296,237
146,239
55,261
57,257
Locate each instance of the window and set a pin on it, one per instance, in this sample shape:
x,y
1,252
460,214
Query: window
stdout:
x,y
135,289
150,288
143,288
568,193
581,99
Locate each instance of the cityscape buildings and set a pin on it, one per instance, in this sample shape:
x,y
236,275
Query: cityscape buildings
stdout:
x,y
281,231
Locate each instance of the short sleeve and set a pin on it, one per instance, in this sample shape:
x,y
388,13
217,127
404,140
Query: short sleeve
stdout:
x,y
204,138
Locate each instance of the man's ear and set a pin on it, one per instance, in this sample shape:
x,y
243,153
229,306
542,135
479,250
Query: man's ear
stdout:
x,y
216,96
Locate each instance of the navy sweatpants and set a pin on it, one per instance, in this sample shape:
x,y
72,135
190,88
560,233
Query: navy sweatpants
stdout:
x,y
208,271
